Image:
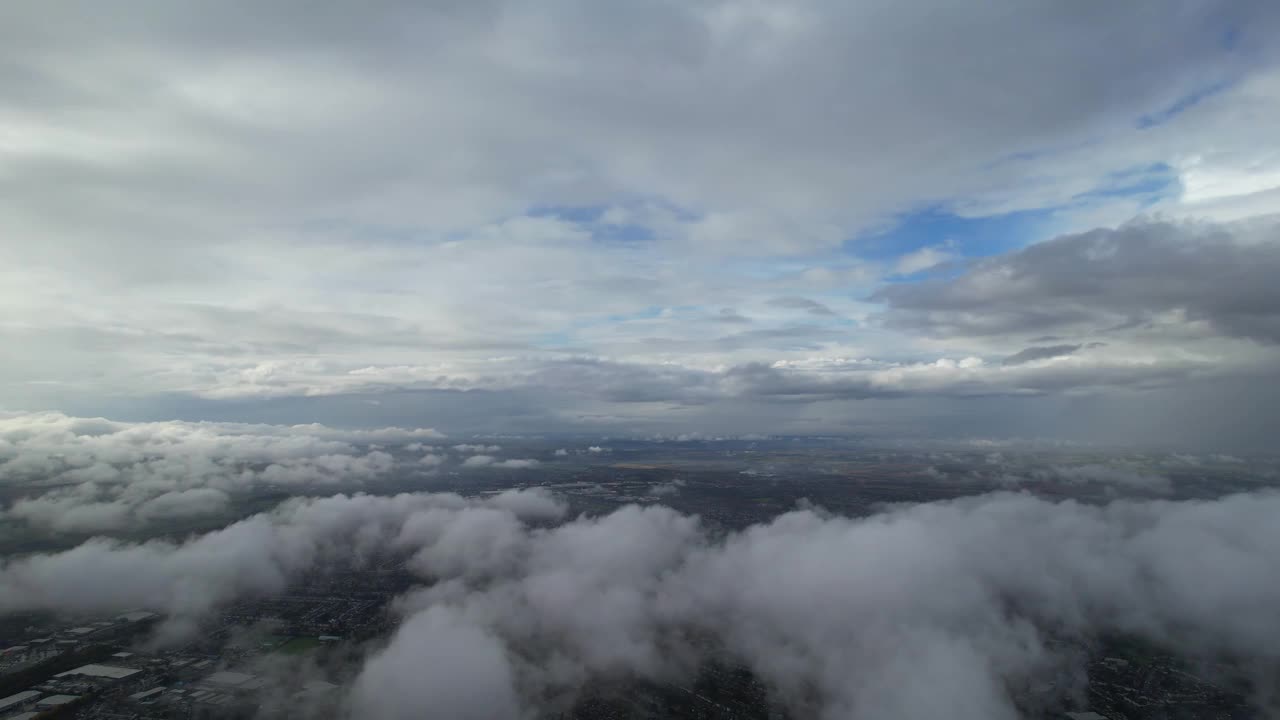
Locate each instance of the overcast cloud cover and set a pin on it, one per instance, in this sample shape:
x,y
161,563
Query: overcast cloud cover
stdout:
x,y
720,215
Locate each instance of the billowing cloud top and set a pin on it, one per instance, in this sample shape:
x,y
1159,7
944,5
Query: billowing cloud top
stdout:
x,y
721,216
907,613
89,475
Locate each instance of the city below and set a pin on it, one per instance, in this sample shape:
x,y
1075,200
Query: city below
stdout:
x,y
296,652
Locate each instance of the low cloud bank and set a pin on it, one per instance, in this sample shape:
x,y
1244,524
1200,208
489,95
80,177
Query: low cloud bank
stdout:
x,y
93,475
953,607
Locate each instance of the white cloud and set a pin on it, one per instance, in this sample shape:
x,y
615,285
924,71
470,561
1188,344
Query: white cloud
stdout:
x,y
94,474
924,259
517,463
897,614
477,461
253,556
184,503
666,489
474,680
477,449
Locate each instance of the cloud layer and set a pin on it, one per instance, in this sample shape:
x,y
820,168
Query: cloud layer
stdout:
x,y
682,193
86,475
903,613
1200,279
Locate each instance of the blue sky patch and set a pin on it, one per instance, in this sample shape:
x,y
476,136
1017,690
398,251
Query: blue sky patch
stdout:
x,y
967,236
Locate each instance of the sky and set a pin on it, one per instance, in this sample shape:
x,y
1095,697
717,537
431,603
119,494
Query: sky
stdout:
x,y
1015,219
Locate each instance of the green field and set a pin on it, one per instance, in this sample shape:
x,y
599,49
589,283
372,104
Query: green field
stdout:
x,y
299,645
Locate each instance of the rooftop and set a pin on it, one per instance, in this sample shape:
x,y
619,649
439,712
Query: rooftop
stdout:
x,y
18,698
95,670
146,693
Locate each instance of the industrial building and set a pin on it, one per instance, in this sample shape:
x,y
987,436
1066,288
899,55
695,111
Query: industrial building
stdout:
x,y
17,701
101,671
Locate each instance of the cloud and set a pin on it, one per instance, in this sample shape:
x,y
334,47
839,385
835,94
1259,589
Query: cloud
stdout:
x,y
1111,282
813,307
731,316
1116,478
478,461
1032,354
230,274
253,556
924,259
185,503
944,377
517,463
97,475
529,504
471,677
477,449
666,489
65,514
1075,396
1121,477
896,614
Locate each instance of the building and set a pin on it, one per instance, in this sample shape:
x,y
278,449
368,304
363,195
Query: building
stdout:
x,y
147,695
17,701
101,671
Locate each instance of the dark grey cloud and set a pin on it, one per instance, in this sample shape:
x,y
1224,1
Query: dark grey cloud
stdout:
x,y
765,381
1143,276
625,382
729,315
1040,353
